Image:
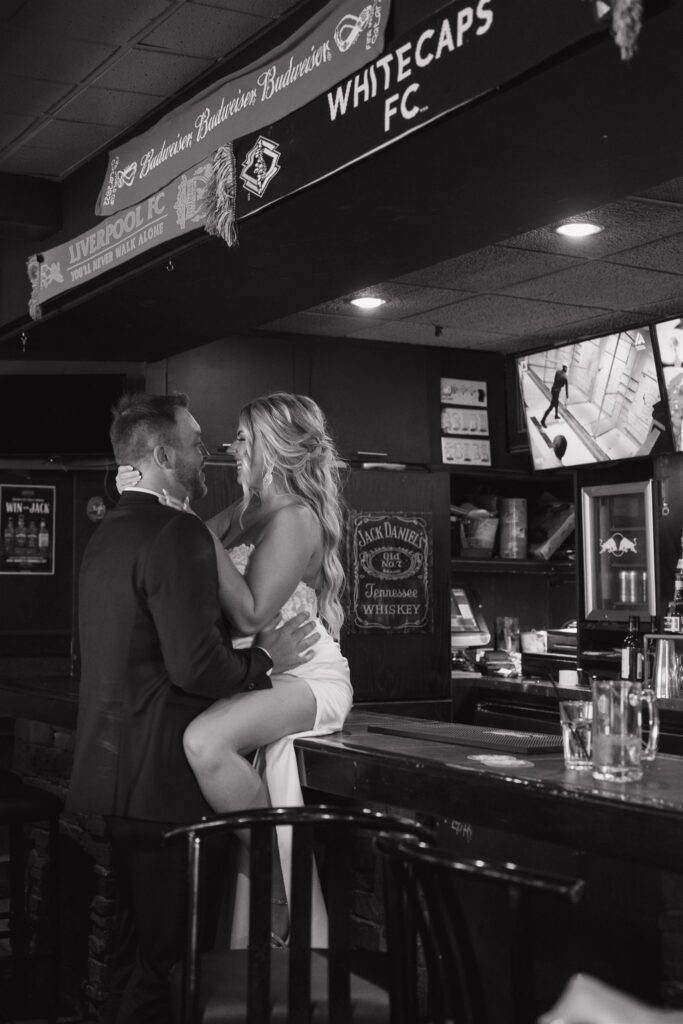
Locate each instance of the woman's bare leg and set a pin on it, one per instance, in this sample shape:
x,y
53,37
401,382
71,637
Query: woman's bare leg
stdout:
x,y
217,740
215,743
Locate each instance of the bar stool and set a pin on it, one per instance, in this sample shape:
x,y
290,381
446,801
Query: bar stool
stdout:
x,y
423,902
22,805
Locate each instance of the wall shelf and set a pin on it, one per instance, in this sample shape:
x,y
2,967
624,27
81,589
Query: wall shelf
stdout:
x,y
501,565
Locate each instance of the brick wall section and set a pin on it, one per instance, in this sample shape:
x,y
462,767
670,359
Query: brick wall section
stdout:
x,y
43,756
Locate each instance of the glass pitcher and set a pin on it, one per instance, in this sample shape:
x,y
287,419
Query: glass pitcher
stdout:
x,y
618,750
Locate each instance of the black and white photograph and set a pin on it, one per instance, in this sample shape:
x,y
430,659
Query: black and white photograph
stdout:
x,y
341,512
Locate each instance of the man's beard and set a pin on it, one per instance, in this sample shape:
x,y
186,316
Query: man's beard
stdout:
x,y
191,478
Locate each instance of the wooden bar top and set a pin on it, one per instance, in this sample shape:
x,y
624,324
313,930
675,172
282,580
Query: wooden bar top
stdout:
x,y
529,794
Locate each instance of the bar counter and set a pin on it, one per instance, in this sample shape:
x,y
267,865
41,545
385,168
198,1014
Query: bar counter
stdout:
x,y
625,842
534,796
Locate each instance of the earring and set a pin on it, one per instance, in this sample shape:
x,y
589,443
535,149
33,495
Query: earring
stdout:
x,y
267,478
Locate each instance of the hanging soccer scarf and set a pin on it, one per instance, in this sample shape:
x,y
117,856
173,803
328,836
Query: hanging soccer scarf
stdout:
x,y
342,37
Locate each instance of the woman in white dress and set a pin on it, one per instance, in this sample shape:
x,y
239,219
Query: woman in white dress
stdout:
x,y
277,551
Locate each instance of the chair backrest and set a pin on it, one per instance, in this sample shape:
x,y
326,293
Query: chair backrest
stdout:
x,y
333,829
423,902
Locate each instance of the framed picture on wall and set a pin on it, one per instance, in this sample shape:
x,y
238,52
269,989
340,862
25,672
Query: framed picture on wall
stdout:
x,y
27,530
464,422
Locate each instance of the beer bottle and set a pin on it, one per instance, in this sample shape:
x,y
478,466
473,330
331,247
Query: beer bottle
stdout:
x,y
632,651
678,587
672,622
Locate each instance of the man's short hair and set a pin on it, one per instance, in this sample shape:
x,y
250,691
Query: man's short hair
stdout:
x,y
564,366
141,422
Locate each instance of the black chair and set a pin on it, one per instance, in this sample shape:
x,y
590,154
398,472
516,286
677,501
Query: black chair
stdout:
x,y
22,805
423,902
296,984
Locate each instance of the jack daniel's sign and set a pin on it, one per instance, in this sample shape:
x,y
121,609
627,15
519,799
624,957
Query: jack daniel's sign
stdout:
x,y
391,572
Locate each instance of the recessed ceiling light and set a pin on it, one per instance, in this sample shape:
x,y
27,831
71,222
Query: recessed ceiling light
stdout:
x,y
367,302
578,229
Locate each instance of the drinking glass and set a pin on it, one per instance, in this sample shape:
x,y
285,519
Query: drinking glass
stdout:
x,y
576,717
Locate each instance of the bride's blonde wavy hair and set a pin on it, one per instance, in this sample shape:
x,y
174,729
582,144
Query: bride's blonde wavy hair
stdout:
x,y
300,457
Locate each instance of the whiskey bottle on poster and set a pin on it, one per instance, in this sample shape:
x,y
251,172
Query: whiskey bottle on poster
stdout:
x,y
43,536
32,535
8,536
20,533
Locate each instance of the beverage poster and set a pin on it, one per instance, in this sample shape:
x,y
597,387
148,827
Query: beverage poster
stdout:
x,y
27,529
391,572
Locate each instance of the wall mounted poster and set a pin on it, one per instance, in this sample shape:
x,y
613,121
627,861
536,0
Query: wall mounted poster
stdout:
x,y
391,572
27,529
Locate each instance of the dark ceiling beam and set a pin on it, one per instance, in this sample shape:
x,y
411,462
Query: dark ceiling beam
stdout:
x,y
29,207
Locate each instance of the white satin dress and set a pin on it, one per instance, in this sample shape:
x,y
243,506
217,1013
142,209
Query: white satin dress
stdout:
x,y
327,674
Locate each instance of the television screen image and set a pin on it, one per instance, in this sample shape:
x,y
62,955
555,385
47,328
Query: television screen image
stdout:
x,y
594,401
669,344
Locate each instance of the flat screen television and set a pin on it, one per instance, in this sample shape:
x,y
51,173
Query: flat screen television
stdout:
x,y
57,415
597,400
669,346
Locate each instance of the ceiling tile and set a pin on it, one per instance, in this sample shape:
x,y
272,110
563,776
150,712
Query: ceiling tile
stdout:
x,y
412,333
65,136
666,255
33,96
148,71
506,314
628,223
490,269
61,59
601,285
511,346
589,327
114,23
310,323
651,312
12,126
112,107
204,31
669,191
68,144
32,160
264,8
401,300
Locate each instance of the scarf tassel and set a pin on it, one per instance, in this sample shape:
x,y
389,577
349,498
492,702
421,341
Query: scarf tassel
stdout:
x,y
33,271
627,17
221,196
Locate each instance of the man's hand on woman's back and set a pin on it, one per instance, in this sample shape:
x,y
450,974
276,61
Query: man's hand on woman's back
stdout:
x,y
291,644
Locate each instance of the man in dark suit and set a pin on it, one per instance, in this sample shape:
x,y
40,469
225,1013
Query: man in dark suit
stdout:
x,y
155,652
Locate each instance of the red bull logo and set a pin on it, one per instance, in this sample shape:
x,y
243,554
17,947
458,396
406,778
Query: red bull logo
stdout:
x,y
618,545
